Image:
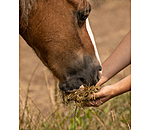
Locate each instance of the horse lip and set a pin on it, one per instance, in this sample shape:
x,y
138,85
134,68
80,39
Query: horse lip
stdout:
x,y
74,90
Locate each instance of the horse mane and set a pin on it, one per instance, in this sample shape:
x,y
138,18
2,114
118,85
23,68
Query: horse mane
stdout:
x,y
25,7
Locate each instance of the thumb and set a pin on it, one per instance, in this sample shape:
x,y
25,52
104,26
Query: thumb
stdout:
x,y
99,83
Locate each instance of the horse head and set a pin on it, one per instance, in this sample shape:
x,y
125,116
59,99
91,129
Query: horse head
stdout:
x,y
56,30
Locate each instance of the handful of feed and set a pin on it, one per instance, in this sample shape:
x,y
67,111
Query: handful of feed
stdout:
x,y
82,95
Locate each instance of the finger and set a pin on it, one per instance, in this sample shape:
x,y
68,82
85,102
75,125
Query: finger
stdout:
x,y
99,83
100,101
96,95
96,103
90,103
87,105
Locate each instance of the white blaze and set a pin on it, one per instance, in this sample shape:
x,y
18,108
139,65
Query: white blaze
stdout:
x,y
92,39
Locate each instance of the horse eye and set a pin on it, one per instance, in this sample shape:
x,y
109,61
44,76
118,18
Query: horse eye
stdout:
x,y
82,16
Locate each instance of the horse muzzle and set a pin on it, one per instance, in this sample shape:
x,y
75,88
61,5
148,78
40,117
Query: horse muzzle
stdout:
x,y
88,77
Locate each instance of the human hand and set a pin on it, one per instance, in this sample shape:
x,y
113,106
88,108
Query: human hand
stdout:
x,y
110,91
102,96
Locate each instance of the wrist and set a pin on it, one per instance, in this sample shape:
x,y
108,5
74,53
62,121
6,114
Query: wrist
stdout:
x,y
114,90
122,86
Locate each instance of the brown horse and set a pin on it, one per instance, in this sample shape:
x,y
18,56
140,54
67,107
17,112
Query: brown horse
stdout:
x,y
56,31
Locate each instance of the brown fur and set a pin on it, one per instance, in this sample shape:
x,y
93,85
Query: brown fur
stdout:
x,y
52,29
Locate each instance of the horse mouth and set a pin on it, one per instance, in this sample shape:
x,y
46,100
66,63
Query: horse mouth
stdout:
x,y
85,77
81,88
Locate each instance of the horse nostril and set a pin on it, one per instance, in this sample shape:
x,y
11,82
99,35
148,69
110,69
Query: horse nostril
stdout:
x,y
100,68
97,77
82,80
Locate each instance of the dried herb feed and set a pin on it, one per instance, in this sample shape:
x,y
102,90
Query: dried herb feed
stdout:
x,y
81,96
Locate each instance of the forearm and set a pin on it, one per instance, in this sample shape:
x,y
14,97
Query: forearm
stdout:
x,y
118,60
122,86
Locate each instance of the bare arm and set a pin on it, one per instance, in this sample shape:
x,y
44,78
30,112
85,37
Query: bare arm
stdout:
x,y
111,91
118,60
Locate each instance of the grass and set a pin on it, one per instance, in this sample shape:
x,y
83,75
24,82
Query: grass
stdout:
x,y
115,114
